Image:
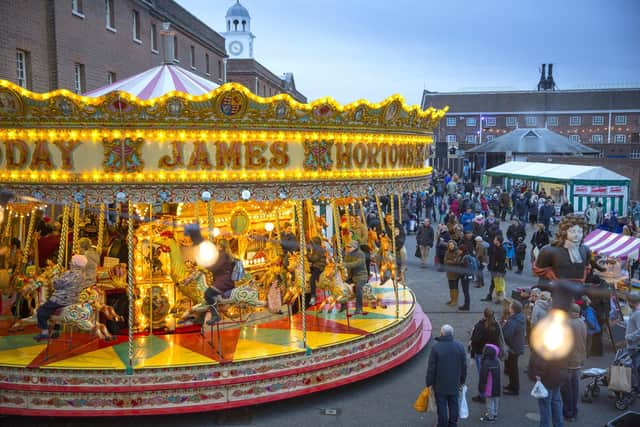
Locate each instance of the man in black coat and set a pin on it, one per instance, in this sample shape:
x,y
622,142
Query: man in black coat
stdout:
x,y
424,239
513,332
446,373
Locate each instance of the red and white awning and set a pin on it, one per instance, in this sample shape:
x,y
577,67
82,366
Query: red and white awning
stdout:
x,y
157,81
612,244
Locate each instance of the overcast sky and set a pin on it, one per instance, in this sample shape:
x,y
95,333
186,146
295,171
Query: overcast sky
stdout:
x,y
352,49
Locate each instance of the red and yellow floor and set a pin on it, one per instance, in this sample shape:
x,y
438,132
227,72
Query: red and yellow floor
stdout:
x,y
165,365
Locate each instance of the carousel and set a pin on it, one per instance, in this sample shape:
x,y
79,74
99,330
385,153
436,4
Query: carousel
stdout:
x,y
157,180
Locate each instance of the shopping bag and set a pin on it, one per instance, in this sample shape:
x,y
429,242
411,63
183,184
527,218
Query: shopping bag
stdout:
x,y
619,378
431,404
502,345
464,408
500,284
421,403
418,254
539,391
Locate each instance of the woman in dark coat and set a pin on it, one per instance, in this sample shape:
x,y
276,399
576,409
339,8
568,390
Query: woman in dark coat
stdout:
x,y
221,271
497,263
486,331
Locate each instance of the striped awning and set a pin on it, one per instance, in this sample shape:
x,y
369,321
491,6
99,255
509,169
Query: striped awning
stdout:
x,y
612,244
157,81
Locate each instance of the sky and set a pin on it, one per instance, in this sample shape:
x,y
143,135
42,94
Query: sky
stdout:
x,y
371,49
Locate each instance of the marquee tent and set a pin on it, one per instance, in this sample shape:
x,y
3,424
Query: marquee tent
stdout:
x,y
613,244
579,184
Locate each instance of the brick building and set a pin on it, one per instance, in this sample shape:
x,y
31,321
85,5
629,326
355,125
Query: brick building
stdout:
x,y
85,44
607,120
241,65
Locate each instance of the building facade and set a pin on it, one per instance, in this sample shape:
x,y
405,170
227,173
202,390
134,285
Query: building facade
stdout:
x,y
243,68
607,120
82,45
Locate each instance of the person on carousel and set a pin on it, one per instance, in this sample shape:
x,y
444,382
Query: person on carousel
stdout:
x,y
93,259
221,270
66,290
354,262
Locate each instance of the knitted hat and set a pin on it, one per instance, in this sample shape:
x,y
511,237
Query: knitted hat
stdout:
x,y
79,261
354,244
545,295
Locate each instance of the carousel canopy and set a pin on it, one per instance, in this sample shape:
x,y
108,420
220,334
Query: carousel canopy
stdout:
x,y
613,244
158,81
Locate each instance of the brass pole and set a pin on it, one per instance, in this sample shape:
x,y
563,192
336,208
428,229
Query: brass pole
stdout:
x,y
303,281
130,286
395,259
64,238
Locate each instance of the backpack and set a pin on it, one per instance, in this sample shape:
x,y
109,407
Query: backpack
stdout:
x,y
238,270
473,264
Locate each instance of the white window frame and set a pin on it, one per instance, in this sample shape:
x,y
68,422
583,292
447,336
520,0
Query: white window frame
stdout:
x,y
635,154
490,122
552,121
490,138
531,121
111,77
110,16
620,138
192,56
470,139
575,120
175,48
471,122
207,64
574,138
78,78
452,121
620,120
22,74
512,122
601,154
451,138
597,120
135,26
153,37
77,9
597,138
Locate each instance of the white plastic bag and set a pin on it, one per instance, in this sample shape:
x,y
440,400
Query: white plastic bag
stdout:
x,y
464,408
539,391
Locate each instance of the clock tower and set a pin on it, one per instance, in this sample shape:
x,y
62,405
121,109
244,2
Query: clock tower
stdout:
x,y
238,38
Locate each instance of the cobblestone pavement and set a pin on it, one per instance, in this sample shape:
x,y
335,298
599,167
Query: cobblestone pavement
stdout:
x,y
387,399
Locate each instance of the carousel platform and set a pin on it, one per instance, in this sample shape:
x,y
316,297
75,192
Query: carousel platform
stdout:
x,y
196,371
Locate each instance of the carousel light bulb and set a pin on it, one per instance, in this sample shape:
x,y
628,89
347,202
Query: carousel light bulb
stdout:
x,y
207,254
268,227
216,231
1,214
552,337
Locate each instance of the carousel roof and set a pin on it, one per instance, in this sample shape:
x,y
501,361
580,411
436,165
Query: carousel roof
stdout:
x,y
158,81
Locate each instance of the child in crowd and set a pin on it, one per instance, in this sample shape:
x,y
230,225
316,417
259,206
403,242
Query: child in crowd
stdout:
x,y
521,253
489,381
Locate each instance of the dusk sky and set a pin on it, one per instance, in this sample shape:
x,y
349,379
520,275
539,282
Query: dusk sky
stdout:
x,y
352,49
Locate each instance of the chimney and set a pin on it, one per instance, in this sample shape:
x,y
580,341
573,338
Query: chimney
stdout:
x,y
168,49
551,85
541,83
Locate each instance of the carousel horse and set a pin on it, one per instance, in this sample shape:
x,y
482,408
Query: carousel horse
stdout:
x,y
296,274
385,259
331,281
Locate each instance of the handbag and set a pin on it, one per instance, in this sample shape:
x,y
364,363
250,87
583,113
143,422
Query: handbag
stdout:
x,y
619,378
464,407
422,402
539,391
418,254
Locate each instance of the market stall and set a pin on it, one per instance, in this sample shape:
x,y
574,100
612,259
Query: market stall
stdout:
x,y
579,184
136,174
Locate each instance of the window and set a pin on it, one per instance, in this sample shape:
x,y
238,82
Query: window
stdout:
x,y
244,25
574,138
135,22
111,77
620,138
601,154
621,120
596,139
635,154
451,121
78,78
597,120
512,122
175,48
154,38
192,56
470,139
220,69
552,121
575,121
471,122
23,68
451,139
490,122
76,8
110,15
490,138
531,121
207,64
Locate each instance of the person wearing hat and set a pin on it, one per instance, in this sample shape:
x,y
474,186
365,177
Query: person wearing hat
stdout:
x,y
540,308
93,259
570,389
66,290
354,262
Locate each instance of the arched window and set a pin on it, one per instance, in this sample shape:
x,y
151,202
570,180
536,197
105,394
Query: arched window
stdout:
x,y
228,25
235,25
244,25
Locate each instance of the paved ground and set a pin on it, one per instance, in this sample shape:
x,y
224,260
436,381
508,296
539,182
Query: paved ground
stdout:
x,y
385,400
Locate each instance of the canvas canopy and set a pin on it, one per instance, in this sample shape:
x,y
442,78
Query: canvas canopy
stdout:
x,y
613,244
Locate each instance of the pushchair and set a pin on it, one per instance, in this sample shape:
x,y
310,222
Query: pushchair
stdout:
x,y
599,378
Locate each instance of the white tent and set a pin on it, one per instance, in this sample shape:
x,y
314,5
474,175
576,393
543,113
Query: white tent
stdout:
x,y
582,184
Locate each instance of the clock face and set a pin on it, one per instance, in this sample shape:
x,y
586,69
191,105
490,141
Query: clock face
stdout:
x,y
235,48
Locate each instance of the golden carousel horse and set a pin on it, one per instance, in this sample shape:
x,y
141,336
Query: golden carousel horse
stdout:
x,y
331,281
295,276
385,259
